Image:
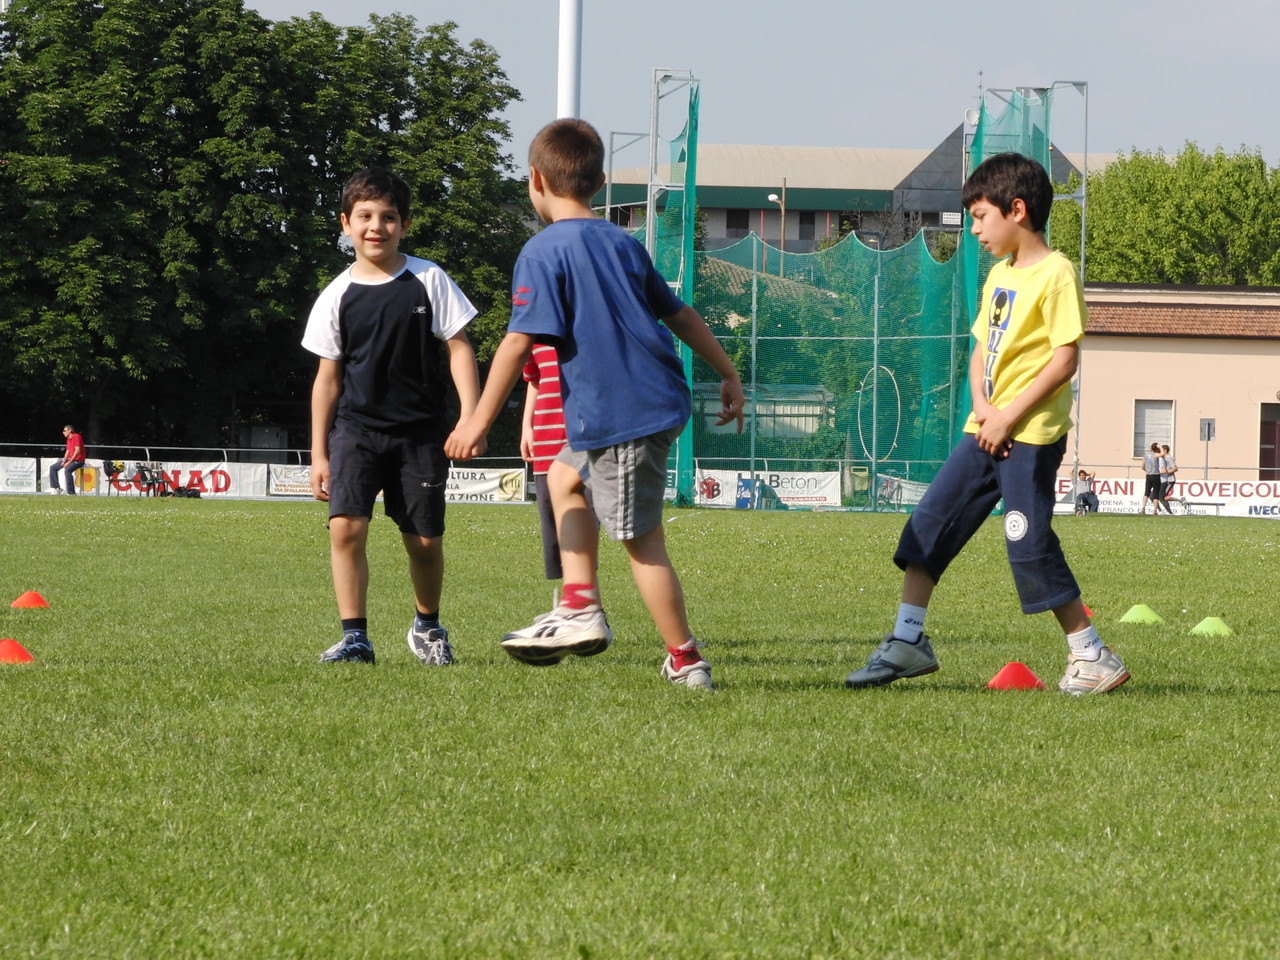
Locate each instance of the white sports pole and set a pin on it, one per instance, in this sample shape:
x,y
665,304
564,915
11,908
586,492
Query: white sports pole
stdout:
x,y
569,77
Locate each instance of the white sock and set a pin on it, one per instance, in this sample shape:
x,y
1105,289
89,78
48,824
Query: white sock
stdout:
x,y
1086,644
910,625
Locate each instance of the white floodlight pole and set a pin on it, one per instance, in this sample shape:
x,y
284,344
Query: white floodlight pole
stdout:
x,y
569,76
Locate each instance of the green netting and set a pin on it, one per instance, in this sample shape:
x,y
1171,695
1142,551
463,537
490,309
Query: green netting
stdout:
x,y
1021,125
854,359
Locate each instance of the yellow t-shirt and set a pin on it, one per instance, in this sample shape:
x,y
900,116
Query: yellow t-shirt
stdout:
x,y
1025,314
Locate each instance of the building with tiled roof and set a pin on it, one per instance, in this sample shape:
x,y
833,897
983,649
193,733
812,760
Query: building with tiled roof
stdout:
x,y
1161,361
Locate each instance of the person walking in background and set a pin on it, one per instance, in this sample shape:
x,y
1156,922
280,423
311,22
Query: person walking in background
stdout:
x,y
1168,475
1151,492
72,460
1028,332
379,409
589,287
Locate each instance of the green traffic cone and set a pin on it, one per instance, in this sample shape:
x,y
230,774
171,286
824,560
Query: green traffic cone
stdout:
x,y
1141,613
1211,627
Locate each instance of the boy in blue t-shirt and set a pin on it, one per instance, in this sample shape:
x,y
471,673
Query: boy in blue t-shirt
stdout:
x,y
379,406
590,289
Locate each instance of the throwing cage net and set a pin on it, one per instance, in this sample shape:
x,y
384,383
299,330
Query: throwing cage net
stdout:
x,y
854,358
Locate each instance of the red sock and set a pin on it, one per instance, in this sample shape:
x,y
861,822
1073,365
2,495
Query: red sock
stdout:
x,y
579,596
683,656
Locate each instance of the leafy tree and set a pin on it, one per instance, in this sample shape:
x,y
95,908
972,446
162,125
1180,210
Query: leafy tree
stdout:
x,y
169,186
1197,218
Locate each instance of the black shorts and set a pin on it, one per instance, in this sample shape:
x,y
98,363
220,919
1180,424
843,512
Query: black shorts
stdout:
x,y
1152,490
410,472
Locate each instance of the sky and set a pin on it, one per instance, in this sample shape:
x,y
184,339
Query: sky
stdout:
x,y
889,74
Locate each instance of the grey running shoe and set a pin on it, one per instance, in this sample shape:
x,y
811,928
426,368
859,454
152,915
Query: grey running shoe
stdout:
x,y
554,635
694,674
431,646
894,660
352,648
1093,676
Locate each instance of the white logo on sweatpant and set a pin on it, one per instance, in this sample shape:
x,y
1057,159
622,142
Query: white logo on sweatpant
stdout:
x,y
1015,526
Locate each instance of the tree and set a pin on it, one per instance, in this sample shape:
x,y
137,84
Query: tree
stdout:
x,y
1193,219
168,200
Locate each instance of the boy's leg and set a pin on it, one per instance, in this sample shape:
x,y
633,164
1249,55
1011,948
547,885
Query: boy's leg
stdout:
x,y
414,497
426,570
1040,570
576,526
578,624
959,500
348,538
659,586
355,479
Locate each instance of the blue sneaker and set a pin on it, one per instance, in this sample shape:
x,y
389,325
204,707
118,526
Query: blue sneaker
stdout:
x,y
352,648
431,646
894,660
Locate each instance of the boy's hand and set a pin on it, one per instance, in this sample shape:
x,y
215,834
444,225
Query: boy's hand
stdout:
x,y
320,478
466,442
732,400
993,433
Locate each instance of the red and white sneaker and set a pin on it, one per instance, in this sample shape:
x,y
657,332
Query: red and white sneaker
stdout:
x,y
686,666
553,636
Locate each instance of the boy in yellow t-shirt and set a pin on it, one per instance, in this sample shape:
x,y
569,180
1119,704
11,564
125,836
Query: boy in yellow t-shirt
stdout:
x,y
1028,333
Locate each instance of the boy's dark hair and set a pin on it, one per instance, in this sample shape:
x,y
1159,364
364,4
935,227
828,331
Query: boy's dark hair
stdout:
x,y
377,183
570,156
1007,177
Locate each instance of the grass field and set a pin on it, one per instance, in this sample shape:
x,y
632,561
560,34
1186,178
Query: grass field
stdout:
x,y
182,778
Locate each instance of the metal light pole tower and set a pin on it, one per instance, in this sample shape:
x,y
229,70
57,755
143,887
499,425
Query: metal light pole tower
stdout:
x,y
569,75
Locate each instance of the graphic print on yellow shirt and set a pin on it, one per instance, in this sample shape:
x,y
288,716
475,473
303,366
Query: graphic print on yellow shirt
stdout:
x,y
1025,315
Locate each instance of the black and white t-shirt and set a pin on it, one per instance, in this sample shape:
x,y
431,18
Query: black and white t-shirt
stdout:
x,y
389,336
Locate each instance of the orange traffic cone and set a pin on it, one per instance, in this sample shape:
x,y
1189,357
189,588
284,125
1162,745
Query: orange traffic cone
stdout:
x,y
1015,676
11,651
29,599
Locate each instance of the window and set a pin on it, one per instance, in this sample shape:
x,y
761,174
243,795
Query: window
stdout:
x,y
808,224
1152,423
735,224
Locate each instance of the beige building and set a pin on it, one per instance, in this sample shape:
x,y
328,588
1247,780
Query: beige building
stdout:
x,y
1163,363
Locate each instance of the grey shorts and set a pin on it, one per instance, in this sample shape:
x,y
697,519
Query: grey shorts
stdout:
x,y
627,482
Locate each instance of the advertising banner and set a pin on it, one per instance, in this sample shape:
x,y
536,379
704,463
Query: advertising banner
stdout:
x,y
486,485
289,481
1213,498
18,475
720,488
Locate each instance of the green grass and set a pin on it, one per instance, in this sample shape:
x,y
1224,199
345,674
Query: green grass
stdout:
x,y
183,779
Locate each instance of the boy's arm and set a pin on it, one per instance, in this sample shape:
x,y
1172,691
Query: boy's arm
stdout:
x,y
688,325
526,422
465,373
996,427
470,437
324,404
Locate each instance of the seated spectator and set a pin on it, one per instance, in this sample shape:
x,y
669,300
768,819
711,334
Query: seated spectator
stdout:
x,y
71,461
1086,499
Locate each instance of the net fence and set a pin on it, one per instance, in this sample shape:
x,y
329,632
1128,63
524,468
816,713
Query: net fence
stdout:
x,y
854,358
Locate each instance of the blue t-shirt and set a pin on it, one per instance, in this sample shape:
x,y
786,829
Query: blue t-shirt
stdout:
x,y
588,288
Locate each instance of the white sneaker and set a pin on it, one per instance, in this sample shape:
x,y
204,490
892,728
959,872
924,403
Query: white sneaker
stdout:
x,y
56,490
695,674
554,635
1093,676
